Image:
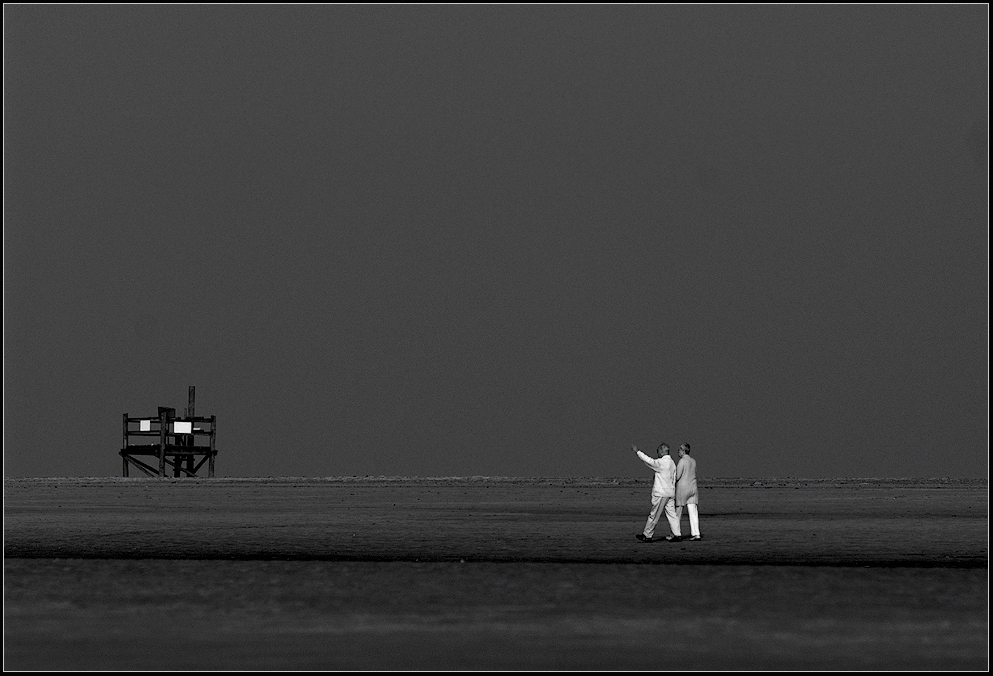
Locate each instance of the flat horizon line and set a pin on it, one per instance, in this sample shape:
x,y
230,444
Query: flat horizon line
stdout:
x,y
492,477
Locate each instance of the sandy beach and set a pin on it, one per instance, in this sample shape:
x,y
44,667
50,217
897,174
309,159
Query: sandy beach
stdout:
x,y
788,521
492,573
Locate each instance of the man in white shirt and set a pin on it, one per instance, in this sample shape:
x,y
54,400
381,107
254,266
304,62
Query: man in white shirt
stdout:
x,y
663,493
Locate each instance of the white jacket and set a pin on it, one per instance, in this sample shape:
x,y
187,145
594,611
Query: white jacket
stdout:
x,y
665,475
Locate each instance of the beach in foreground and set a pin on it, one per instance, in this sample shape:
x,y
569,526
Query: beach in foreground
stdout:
x,y
487,573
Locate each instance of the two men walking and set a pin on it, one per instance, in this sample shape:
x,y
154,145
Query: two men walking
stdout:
x,y
674,488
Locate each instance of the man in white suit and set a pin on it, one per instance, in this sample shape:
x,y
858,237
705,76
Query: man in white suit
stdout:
x,y
663,493
686,493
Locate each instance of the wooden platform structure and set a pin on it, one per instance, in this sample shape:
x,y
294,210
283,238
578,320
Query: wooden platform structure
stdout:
x,y
177,445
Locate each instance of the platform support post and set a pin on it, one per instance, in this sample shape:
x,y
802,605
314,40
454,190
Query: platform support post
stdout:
x,y
192,441
213,450
163,428
124,461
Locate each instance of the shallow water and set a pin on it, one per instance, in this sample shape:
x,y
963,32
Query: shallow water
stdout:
x,y
82,614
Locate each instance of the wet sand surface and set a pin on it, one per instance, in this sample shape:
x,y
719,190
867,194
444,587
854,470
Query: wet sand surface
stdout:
x,y
492,573
849,522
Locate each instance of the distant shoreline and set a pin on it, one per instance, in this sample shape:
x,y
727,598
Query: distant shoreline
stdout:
x,y
518,479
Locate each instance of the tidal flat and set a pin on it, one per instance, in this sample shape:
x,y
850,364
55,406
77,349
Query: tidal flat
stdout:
x,y
491,573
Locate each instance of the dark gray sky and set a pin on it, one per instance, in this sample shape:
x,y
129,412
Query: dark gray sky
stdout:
x,y
476,240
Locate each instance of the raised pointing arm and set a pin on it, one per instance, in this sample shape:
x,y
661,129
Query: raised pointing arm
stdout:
x,y
653,463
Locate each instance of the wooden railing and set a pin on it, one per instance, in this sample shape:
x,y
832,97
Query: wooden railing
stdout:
x,y
177,448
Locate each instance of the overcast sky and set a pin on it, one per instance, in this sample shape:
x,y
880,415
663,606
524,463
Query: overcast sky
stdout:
x,y
500,240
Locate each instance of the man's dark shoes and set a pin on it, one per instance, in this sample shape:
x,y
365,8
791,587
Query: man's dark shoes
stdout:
x,y
696,538
641,536
673,538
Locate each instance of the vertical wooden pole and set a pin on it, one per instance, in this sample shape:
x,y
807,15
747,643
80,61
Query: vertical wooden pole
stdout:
x,y
193,438
163,427
181,440
213,441
124,447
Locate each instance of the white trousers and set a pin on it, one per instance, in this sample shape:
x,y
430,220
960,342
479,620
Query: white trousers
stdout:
x,y
694,519
671,515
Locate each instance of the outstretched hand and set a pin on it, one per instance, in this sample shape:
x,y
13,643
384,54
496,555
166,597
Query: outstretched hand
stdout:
x,y
634,448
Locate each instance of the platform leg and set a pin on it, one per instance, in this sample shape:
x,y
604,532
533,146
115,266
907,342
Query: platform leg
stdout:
x,y
163,428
